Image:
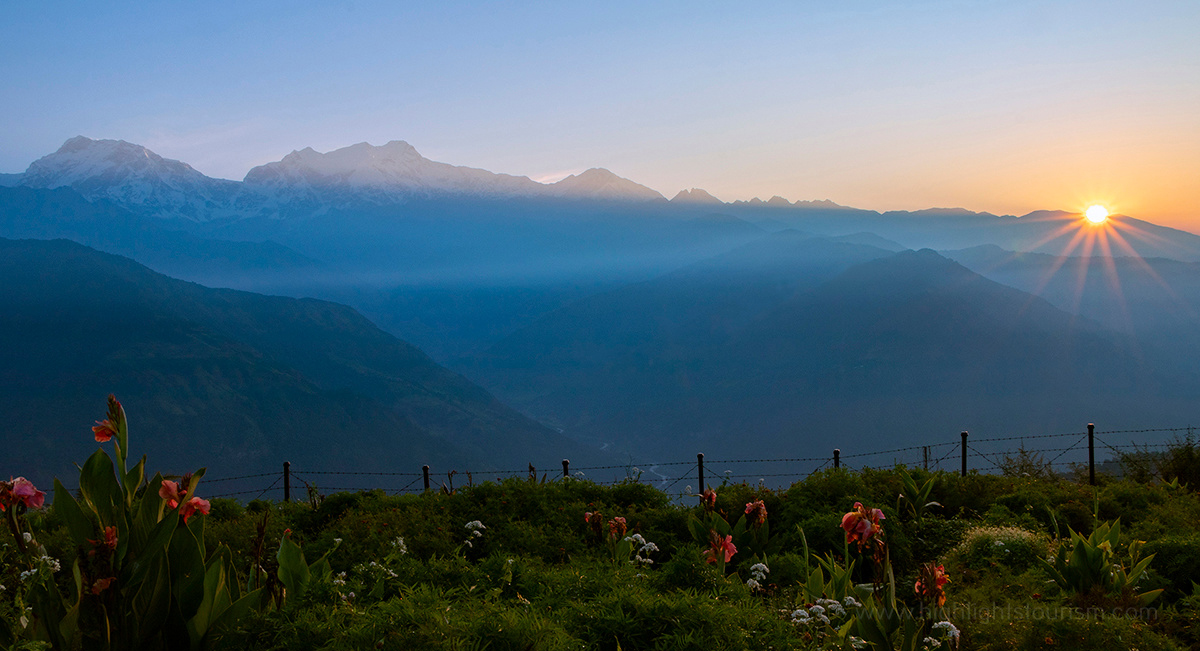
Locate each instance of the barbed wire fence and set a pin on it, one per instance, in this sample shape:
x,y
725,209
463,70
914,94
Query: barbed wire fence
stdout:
x,y
1075,455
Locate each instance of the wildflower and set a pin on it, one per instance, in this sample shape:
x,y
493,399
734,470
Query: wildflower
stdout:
x,y
475,526
596,521
719,546
102,584
931,643
340,579
949,629
759,571
28,537
850,602
109,539
757,512
108,428
192,506
709,500
170,492
398,545
648,548
753,585
616,528
861,525
20,490
800,616
104,430
928,586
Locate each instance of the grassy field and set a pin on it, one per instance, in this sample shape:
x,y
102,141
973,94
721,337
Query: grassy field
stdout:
x,y
549,565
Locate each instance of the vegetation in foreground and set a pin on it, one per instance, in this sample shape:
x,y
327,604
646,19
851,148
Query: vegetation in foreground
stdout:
x,y
879,559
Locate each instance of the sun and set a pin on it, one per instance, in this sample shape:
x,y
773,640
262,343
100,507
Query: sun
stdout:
x,y
1096,214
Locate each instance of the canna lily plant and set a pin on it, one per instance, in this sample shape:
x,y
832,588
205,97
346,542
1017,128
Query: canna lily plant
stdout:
x,y
1089,565
141,578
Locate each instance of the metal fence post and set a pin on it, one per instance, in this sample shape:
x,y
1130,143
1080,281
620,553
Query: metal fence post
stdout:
x,y
425,471
287,481
700,466
1091,454
964,454
837,458
566,468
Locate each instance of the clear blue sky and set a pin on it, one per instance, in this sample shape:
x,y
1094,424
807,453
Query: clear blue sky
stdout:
x,y
1005,106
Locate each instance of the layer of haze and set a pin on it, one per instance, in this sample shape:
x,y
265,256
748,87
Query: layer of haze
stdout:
x,y
1005,106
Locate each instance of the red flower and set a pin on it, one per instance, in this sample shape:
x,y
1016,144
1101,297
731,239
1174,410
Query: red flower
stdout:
x,y
617,528
596,522
110,537
719,546
192,506
170,491
104,430
102,584
21,490
928,586
757,512
861,525
709,500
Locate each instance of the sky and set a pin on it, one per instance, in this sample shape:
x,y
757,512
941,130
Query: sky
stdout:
x,y
1001,106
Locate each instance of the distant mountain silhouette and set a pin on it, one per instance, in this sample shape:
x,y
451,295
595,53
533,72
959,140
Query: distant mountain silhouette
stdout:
x,y
861,346
233,380
103,225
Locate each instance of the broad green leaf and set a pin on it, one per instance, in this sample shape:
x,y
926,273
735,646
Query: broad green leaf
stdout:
x,y
78,524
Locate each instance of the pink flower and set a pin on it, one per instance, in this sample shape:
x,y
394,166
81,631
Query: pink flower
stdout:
x,y
757,512
194,505
709,500
104,430
861,525
617,528
719,546
170,491
24,491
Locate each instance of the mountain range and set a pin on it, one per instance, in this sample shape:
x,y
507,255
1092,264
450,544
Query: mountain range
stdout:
x,y
230,379
601,314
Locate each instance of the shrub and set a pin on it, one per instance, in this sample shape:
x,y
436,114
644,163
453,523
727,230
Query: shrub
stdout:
x,y
1014,548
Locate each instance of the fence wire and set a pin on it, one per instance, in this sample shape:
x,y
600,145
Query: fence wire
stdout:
x,y
992,459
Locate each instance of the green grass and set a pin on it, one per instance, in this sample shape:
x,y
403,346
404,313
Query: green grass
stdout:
x,y
539,578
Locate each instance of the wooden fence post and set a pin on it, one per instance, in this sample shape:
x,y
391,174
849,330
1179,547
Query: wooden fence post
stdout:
x,y
700,466
964,454
287,481
566,468
837,458
425,471
1091,454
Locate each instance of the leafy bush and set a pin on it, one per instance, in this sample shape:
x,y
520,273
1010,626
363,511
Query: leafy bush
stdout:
x,y
1012,547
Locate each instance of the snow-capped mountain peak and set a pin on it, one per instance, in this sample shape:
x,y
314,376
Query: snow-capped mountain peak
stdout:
x,y
128,173
599,183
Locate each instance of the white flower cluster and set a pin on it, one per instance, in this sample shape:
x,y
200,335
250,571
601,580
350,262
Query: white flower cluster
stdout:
x,y
946,627
27,536
42,561
374,569
340,579
931,643
823,610
758,574
643,549
398,545
475,527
